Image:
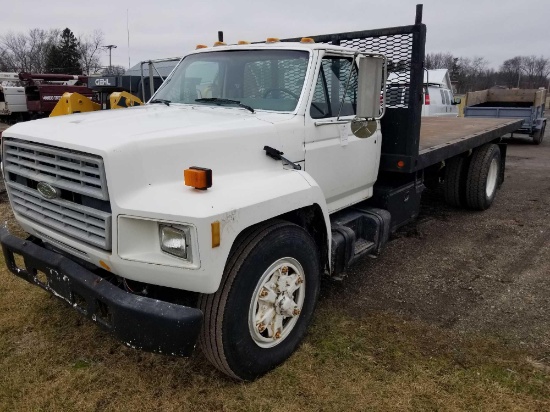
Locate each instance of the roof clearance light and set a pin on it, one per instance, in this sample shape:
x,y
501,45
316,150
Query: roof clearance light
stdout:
x,y
272,40
307,40
198,177
201,46
242,42
220,43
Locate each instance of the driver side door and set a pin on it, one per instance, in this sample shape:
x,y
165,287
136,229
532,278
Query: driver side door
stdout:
x,y
343,165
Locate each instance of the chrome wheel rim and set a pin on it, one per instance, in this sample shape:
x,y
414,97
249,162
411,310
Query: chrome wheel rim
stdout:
x,y
492,178
277,302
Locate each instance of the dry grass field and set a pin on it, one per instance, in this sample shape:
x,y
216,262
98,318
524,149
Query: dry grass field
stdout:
x,y
453,316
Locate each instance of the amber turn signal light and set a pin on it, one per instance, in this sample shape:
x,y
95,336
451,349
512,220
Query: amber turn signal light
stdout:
x,y
198,177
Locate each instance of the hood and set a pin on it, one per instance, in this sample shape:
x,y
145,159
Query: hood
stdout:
x,y
106,130
151,145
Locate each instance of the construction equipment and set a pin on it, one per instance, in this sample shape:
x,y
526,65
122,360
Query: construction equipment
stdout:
x,y
107,95
43,91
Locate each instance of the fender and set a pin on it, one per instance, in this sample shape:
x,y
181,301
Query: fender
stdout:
x,y
237,201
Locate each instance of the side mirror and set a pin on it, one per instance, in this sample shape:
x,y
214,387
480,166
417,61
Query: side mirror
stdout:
x,y
457,100
371,70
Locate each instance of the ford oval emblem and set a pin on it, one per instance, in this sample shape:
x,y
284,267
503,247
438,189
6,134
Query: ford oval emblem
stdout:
x,y
47,190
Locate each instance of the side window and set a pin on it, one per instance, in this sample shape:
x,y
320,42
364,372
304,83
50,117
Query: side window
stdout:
x,y
442,96
448,95
331,86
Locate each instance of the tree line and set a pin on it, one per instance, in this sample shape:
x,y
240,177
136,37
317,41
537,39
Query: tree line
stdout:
x,y
54,51
471,74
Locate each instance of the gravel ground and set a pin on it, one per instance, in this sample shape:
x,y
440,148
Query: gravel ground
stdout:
x,y
481,272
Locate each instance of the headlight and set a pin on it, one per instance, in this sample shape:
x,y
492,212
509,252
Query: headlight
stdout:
x,y
175,241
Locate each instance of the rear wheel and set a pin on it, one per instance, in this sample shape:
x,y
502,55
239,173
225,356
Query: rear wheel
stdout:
x,y
265,302
539,134
483,177
454,185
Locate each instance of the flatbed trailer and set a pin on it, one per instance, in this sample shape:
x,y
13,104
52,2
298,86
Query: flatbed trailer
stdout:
x,y
525,104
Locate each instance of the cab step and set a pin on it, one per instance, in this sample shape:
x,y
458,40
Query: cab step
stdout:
x,y
356,232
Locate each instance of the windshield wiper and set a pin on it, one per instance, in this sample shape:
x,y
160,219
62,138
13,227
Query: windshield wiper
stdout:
x,y
166,102
220,101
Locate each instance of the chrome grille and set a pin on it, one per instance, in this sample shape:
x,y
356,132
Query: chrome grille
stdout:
x,y
77,172
89,225
81,210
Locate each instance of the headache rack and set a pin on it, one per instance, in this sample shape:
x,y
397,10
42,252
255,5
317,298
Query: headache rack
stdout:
x,y
404,47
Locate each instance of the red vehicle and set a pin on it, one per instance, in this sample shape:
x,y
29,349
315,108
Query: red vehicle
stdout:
x,y
43,91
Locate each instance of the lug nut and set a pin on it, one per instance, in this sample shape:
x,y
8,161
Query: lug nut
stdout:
x,y
299,281
296,312
277,335
263,293
261,327
284,269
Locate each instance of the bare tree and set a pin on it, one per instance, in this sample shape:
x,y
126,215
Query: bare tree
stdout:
x,y
90,51
113,71
542,71
510,71
439,61
26,52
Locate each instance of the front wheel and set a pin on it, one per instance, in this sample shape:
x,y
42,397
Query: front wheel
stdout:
x,y
261,311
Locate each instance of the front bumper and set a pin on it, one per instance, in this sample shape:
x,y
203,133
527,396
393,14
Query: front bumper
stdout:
x,y
139,322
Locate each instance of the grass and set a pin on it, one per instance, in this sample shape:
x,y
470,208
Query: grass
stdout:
x,y
52,359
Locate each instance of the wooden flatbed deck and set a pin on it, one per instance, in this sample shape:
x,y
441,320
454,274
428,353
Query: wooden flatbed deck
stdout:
x,y
444,137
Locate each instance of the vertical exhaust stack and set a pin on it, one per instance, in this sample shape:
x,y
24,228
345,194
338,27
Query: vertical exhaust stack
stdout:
x,y
220,35
418,18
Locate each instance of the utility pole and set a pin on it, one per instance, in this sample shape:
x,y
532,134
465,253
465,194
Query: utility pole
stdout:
x,y
110,47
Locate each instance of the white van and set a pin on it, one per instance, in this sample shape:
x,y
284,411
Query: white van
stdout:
x,y
438,94
13,101
438,99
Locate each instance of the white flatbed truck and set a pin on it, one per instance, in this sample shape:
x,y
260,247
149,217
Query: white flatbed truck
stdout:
x,y
294,167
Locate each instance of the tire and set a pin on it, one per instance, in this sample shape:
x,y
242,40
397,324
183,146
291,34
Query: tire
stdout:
x,y
483,177
454,184
538,136
230,337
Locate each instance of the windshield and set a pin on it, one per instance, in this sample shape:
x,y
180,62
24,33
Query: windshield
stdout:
x,y
261,79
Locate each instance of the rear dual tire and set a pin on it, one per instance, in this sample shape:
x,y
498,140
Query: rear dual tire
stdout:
x,y
473,182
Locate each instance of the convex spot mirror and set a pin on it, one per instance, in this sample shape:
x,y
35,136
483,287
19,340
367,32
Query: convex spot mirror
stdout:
x,y
363,128
457,100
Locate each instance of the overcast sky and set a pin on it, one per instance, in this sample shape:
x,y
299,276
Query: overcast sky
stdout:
x,y
494,29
